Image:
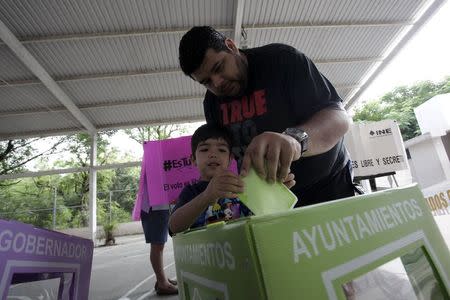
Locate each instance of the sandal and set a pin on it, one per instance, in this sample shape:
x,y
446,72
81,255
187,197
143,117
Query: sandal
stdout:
x,y
172,281
173,290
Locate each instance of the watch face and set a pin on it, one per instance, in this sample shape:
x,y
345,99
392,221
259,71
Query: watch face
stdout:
x,y
300,135
297,132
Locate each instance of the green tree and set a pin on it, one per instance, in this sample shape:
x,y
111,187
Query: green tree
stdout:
x,y
31,201
399,105
153,133
123,187
75,188
15,154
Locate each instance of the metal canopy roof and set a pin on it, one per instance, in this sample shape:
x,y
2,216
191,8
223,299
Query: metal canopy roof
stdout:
x,y
79,65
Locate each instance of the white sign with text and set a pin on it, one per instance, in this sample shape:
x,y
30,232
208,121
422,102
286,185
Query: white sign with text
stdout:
x,y
376,148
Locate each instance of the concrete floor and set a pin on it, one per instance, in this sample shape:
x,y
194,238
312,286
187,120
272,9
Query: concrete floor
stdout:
x,y
123,272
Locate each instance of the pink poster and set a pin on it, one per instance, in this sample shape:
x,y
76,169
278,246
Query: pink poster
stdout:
x,y
168,168
165,170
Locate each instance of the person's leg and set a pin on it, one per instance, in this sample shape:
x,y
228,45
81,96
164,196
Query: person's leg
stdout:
x,y
157,230
156,259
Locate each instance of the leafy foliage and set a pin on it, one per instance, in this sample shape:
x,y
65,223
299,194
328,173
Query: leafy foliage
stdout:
x,y
14,154
153,133
399,105
31,200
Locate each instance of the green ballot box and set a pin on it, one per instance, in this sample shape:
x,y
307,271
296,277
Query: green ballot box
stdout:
x,y
364,247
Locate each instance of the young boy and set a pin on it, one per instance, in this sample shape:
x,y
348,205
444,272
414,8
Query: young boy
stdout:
x,y
214,197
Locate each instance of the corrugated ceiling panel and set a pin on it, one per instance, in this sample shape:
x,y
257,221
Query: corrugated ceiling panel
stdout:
x,y
329,42
153,86
344,93
76,56
328,11
108,55
45,18
346,73
49,121
35,96
145,113
11,68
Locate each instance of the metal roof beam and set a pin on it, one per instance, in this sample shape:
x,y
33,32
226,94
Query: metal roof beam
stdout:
x,y
131,164
178,120
98,76
142,123
30,62
329,25
238,14
58,109
98,35
101,76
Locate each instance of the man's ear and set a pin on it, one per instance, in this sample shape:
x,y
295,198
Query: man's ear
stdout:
x,y
194,162
231,45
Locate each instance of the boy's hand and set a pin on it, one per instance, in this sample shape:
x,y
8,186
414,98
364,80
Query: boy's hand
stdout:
x,y
289,181
225,184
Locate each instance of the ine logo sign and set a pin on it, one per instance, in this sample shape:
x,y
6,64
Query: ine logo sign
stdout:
x,y
380,132
375,148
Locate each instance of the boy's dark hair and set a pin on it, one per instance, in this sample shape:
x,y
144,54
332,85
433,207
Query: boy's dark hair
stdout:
x,y
193,46
210,131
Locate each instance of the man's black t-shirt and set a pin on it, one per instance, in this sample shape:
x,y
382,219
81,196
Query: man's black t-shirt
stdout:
x,y
284,90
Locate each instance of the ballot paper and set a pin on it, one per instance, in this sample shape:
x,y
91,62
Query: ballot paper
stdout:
x,y
264,198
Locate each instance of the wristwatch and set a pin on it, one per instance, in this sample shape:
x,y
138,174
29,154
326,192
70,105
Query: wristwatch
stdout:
x,y
299,135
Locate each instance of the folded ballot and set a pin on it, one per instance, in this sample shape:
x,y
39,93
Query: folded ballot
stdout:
x,y
264,198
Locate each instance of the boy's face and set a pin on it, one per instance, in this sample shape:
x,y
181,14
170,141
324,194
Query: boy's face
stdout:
x,y
211,156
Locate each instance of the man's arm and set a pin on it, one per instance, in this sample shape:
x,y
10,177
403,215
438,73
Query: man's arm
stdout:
x,y
325,128
271,153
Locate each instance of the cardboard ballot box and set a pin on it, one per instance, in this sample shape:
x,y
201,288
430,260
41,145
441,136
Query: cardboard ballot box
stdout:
x,y
363,247
37,263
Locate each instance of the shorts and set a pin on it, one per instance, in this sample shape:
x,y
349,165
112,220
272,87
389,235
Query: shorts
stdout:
x,y
156,226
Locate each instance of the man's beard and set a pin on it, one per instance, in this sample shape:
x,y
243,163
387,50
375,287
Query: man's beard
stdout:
x,y
242,79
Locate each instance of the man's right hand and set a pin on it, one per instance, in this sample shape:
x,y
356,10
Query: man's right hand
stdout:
x,y
225,184
271,155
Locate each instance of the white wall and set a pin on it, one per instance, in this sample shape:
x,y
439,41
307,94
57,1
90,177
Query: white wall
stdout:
x,y
122,229
425,163
433,115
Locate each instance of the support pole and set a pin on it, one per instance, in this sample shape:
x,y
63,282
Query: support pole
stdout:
x,y
54,208
110,197
93,189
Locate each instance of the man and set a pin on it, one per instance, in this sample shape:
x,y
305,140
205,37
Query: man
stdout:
x,y
285,116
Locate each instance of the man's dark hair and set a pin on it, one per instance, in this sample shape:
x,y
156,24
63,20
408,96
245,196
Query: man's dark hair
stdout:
x,y
210,131
193,46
